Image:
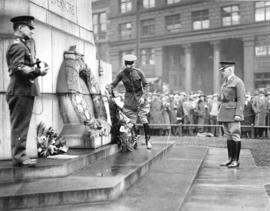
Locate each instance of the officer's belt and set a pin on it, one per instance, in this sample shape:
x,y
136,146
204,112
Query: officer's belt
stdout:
x,y
229,100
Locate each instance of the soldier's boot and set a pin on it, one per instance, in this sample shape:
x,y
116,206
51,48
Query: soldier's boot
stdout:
x,y
147,136
235,163
230,149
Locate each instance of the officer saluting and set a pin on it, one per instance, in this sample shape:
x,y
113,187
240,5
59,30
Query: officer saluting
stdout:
x,y
231,111
22,88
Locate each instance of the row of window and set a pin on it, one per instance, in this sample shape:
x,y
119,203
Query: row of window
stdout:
x,y
148,55
126,5
230,15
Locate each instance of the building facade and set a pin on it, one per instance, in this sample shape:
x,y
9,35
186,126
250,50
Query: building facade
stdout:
x,y
183,41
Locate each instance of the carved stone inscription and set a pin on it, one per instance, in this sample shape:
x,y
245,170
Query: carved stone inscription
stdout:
x,y
66,5
65,8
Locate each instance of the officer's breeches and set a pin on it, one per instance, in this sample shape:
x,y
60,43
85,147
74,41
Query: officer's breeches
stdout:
x,y
20,108
232,130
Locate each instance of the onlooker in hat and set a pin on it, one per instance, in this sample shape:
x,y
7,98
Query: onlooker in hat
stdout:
x,y
136,105
259,106
231,111
188,111
202,112
213,115
165,111
248,117
156,115
23,86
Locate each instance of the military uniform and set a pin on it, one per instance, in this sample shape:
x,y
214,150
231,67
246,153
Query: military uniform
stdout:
x,y
135,85
20,94
232,104
136,88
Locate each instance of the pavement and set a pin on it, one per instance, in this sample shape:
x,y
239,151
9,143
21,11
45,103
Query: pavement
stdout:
x,y
189,178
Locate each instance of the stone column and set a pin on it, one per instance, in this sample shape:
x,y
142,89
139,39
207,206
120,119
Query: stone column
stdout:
x,y
158,62
188,67
216,60
249,62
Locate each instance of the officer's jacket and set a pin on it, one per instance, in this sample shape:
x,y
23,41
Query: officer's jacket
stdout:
x,y
232,100
135,84
21,69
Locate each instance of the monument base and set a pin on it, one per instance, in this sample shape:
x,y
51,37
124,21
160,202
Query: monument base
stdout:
x,y
79,136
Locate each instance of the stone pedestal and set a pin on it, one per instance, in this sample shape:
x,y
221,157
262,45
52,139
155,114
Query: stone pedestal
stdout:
x,y
58,25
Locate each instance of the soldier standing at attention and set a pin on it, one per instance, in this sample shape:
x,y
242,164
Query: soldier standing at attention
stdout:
x,y
231,111
136,103
22,88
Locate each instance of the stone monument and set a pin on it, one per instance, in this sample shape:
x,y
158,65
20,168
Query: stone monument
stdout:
x,y
81,104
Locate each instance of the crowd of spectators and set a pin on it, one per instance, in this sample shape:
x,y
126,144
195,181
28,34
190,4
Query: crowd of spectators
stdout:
x,y
197,114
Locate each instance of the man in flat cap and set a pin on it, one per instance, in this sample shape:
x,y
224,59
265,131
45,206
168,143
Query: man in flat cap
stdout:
x,y
23,86
136,103
231,111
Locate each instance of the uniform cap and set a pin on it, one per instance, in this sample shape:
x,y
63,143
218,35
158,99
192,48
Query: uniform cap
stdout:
x,y
26,20
130,58
225,64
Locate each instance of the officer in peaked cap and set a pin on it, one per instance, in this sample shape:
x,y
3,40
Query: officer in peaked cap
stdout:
x,y
231,111
23,86
23,20
136,104
225,64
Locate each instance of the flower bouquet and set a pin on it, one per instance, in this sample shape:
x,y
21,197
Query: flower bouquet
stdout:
x,y
49,142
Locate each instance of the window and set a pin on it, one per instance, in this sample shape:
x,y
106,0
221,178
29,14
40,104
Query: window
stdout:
x,y
123,53
100,24
262,80
125,6
262,50
125,30
262,46
172,1
149,4
173,23
147,56
230,15
148,27
262,11
200,20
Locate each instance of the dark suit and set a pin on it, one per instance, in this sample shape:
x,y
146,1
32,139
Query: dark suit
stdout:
x,y
21,92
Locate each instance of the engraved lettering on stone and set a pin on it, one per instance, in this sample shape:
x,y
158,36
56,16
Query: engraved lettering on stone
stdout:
x,y
65,5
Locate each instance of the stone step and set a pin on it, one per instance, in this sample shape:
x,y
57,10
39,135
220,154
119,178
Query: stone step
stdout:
x,y
104,181
74,160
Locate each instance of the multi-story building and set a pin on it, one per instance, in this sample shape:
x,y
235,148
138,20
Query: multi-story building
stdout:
x,y
183,41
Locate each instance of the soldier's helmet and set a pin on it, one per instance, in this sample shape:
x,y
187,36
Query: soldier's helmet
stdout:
x,y
26,20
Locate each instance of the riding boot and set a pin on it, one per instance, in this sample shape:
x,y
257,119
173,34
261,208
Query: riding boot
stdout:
x,y
147,136
235,163
230,149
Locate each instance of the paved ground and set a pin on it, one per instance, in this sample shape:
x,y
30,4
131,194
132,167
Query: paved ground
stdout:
x,y
218,188
170,185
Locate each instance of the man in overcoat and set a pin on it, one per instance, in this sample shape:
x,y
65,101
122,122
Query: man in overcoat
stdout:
x,y
231,111
23,87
